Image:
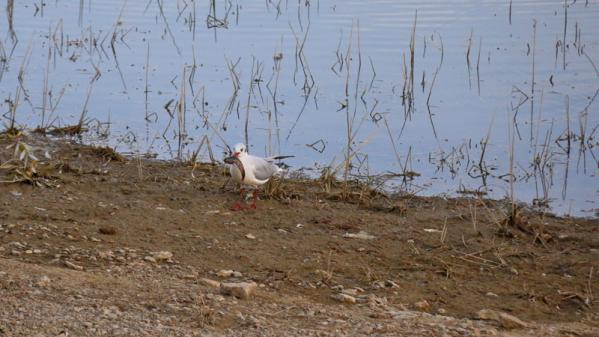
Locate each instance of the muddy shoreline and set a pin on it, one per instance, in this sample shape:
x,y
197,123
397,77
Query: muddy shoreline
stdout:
x,y
86,226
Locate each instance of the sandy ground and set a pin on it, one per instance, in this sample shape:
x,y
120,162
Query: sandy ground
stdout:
x,y
95,244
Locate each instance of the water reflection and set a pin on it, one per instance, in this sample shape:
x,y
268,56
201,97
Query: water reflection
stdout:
x,y
436,96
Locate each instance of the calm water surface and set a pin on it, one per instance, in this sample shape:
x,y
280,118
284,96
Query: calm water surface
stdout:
x,y
159,77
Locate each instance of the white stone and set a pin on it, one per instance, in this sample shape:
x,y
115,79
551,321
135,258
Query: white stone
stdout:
x,y
73,266
210,283
242,290
228,273
344,298
360,235
162,255
506,320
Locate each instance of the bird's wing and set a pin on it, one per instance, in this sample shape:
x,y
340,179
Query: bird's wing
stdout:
x,y
261,167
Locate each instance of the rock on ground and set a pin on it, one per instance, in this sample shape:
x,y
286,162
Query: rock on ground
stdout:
x,y
242,290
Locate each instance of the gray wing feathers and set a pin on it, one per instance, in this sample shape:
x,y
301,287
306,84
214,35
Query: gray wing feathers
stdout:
x,y
263,169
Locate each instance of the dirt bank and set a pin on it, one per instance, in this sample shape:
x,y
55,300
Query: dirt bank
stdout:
x,y
81,236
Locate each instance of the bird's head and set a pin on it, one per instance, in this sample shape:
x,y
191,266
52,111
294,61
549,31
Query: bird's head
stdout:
x,y
239,150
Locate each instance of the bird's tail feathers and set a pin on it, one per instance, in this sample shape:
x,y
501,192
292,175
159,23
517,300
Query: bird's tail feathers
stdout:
x,y
280,157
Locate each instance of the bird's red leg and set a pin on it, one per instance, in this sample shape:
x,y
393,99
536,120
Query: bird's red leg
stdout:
x,y
253,205
237,206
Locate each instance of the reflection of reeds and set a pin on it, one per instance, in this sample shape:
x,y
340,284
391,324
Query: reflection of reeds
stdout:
x,y
350,121
309,83
407,97
48,108
395,151
3,60
248,103
80,18
181,109
339,56
213,22
83,116
412,59
113,48
12,113
430,92
468,58
512,177
233,98
277,59
585,141
10,7
168,28
13,104
532,82
193,20
568,137
147,87
543,168
45,92
480,169
50,118
592,63
480,46
565,32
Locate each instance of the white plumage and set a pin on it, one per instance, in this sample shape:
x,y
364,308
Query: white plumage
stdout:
x,y
247,169
258,170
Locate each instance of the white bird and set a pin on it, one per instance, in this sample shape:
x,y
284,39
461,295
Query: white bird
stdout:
x,y
247,169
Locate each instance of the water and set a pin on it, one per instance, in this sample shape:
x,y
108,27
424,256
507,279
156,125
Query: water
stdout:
x,y
295,55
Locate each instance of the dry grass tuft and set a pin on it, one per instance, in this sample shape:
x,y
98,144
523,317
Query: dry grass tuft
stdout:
x,y
71,130
11,132
25,166
327,179
518,220
274,189
396,206
107,153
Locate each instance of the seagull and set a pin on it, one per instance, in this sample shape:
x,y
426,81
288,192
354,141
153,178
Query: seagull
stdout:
x,y
247,169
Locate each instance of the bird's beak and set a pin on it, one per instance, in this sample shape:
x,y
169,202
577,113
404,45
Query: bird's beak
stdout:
x,y
236,154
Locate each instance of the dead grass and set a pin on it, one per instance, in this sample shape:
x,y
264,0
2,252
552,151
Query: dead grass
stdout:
x,y
106,153
70,130
24,166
